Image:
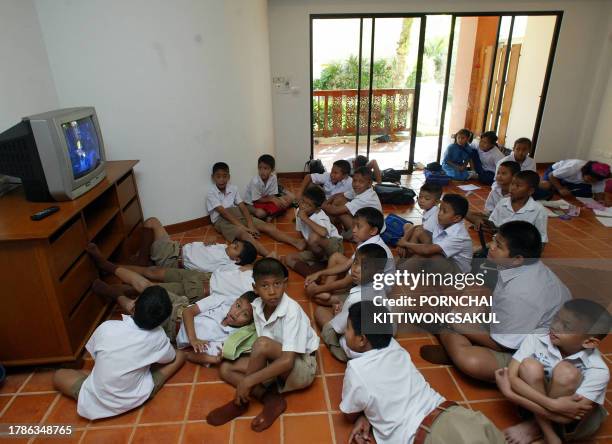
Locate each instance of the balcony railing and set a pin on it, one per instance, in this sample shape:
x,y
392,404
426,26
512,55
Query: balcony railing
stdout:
x,y
335,111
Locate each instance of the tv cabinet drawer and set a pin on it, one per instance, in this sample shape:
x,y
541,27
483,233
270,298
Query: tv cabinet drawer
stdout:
x,y
131,215
84,318
67,245
76,282
126,189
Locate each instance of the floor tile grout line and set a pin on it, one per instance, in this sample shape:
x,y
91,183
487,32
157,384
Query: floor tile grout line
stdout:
x,y
327,401
196,374
136,423
282,429
232,432
50,408
458,387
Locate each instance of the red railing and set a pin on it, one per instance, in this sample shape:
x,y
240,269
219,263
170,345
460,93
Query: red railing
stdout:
x,y
335,111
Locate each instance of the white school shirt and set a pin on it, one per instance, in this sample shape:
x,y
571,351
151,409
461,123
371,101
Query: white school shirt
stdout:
x,y
198,256
495,195
456,244
231,198
430,218
319,217
338,322
385,385
390,265
256,189
287,325
489,159
595,373
368,198
569,171
324,179
525,300
529,164
207,324
231,282
121,378
532,212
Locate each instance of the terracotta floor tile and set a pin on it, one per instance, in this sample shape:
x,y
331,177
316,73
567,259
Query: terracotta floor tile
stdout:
x,y
41,381
169,404
208,374
334,388
185,375
13,382
342,427
473,389
244,435
106,436
207,397
28,408
162,434
297,291
502,413
200,432
413,346
126,418
65,412
330,364
73,438
441,381
307,429
311,399
4,400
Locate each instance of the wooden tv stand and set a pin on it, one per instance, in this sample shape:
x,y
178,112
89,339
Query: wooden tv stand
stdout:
x,y
48,309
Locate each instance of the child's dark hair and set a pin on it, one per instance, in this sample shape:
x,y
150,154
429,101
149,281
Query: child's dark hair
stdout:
x,y
513,166
432,188
361,316
268,266
267,160
530,177
249,296
465,132
597,321
523,141
598,170
344,166
361,161
364,171
248,253
220,166
523,239
152,307
372,216
315,194
373,260
458,203
490,136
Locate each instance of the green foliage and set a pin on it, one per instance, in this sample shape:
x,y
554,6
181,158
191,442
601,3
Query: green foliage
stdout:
x,y
344,74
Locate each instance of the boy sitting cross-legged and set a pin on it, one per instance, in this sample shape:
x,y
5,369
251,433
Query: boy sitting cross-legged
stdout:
x,y
560,376
284,352
366,228
369,260
429,201
262,196
232,219
133,359
320,234
389,400
333,183
525,299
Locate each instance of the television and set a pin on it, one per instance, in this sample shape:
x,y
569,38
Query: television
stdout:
x,y
58,155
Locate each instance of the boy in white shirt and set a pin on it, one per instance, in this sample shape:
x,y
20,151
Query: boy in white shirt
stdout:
x,y
133,359
389,400
448,249
560,376
520,154
283,352
335,182
262,196
525,299
576,177
343,207
486,157
209,322
369,260
317,230
429,201
366,228
232,218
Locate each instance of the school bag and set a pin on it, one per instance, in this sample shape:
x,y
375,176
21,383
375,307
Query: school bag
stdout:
x,y
390,193
435,174
394,229
391,175
314,166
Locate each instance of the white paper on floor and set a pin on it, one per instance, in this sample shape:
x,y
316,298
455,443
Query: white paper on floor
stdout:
x,y
603,213
468,187
562,204
605,221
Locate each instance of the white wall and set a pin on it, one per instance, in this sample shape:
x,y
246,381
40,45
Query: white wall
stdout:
x,y
530,77
26,85
177,84
580,47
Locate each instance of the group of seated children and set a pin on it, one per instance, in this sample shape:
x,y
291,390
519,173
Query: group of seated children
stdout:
x,y
221,306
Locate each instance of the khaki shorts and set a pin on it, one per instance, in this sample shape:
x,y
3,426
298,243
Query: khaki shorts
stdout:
x,y
334,245
302,375
503,358
165,253
179,304
463,426
332,340
190,283
584,428
158,383
230,231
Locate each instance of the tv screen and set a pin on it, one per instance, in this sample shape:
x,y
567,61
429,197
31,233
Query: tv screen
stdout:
x,y
83,145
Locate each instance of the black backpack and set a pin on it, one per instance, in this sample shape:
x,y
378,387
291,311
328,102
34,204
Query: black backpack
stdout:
x,y
314,166
394,194
391,175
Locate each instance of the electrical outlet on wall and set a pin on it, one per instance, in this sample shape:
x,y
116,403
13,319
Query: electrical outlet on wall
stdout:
x,y
282,84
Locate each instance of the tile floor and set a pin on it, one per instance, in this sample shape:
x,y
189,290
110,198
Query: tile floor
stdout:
x,y
177,413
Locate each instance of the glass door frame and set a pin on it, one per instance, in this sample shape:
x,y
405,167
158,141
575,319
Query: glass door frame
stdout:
x,y
419,69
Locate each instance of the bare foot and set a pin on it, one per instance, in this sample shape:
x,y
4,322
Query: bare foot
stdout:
x,y
203,358
226,413
322,299
523,433
273,255
126,304
300,244
273,406
436,354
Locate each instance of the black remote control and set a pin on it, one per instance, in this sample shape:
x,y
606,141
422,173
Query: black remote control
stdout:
x,y
44,213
